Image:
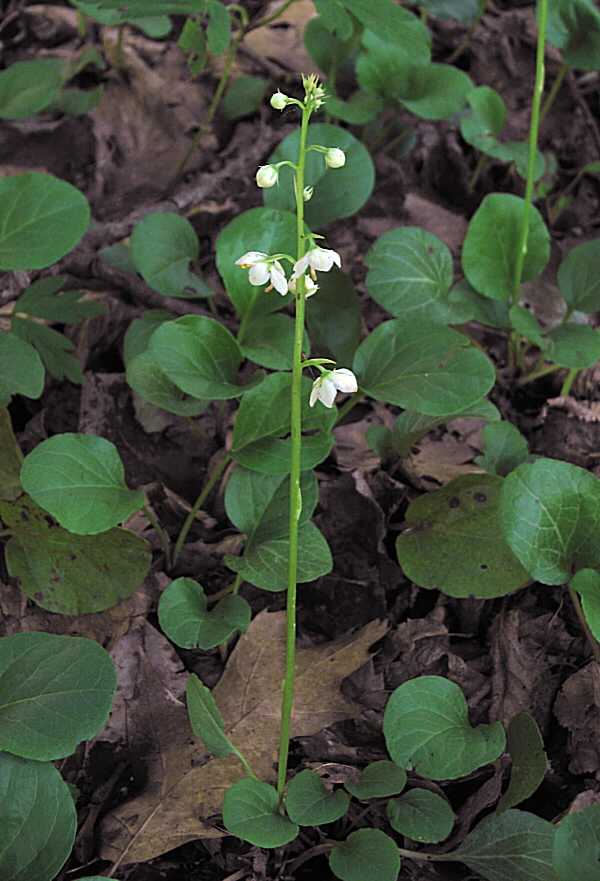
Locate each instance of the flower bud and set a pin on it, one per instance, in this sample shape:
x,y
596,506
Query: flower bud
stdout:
x,y
267,176
307,193
279,101
335,157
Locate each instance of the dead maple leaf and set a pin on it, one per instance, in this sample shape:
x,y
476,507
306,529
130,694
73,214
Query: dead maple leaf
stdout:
x,y
185,786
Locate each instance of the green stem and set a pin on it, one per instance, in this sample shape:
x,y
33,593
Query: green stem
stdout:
x,y
537,373
270,18
533,138
465,40
162,535
569,380
296,449
213,106
198,504
553,91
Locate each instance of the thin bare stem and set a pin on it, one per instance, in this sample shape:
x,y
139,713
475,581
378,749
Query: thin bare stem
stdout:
x,y
197,505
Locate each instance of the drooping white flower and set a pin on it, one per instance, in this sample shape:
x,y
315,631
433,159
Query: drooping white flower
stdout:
x,y
335,157
310,287
267,176
264,269
321,259
329,383
279,101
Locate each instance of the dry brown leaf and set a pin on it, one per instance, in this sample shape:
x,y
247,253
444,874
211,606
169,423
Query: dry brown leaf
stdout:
x,y
283,39
577,708
186,787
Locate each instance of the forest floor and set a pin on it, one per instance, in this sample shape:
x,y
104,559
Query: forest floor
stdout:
x,y
524,652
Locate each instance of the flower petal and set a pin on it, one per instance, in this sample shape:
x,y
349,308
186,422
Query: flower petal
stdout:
x,y
259,273
344,380
250,258
278,279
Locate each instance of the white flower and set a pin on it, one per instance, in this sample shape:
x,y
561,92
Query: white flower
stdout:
x,y
264,269
310,287
329,383
320,259
267,176
307,194
335,157
279,101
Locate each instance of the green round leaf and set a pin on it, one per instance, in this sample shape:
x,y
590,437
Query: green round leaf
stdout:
x,y
162,247
338,192
410,275
21,369
385,67
367,853
426,728
421,815
262,427
185,619
574,345
529,761
266,564
27,87
54,692
199,355
577,843
437,91
505,448
549,514
269,341
334,317
259,504
80,480
378,780
512,845
141,329
71,574
244,96
151,383
260,229
37,820
578,277
422,366
487,117
308,803
453,541
251,811
574,28
43,219
491,244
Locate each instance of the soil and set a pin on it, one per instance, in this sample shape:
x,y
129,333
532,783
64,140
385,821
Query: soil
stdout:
x,y
525,652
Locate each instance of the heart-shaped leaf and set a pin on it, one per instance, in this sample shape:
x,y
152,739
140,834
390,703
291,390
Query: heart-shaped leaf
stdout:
x,y
184,616
378,780
251,811
308,803
421,815
367,853
426,728
163,246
